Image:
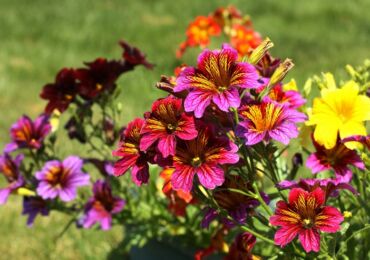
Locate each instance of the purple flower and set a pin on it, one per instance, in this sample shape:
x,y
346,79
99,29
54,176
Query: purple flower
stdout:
x,y
61,179
329,186
10,169
101,207
26,133
266,121
337,158
217,78
33,206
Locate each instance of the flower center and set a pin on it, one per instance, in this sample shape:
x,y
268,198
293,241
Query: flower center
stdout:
x,y
68,97
222,88
307,223
170,127
196,161
98,86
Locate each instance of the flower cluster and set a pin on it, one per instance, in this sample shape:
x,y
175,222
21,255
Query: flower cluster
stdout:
x,y
230,22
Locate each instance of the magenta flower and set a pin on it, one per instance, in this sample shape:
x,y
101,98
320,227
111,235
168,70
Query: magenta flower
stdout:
x,y
32,206
338,158
131,156
305,215
362,139
101,207
61,179
290,98
10,169
266,121
218,78
202,156
164,124
331,187
26,133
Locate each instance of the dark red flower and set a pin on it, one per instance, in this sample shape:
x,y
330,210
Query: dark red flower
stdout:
x,y
60,93
134,56
241,248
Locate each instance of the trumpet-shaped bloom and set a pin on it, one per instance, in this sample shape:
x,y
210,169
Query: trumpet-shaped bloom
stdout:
x,y
60,93
164,124
305,215
61,179
217,79
337,158
131,156
202,156
26,133
32,206
9,167
339,111
268,121
101,207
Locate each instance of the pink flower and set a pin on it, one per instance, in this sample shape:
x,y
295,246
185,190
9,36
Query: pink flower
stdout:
x,y
202,156
338,158
266,121
217,78
9,167
131,156
305,215
164,124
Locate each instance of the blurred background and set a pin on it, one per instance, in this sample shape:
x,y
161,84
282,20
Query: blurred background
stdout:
x,y
37,38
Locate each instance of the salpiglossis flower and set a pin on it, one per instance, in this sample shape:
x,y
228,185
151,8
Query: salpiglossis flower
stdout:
x,y
26,133
339,111
101,207
9,167
202,156
241,248
337,158
218,79
269,120
131,156
167,122
244,39
62,92
61,179
305,215
32,206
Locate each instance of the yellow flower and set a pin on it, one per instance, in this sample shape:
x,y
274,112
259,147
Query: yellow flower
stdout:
x,y
340,111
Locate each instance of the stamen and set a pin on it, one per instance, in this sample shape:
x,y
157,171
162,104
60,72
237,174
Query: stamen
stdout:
x,y
196,161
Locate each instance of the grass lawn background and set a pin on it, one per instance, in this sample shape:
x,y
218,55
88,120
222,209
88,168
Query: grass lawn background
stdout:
x,y
37,38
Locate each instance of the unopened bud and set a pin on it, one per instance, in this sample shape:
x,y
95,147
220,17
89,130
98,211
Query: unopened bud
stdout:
x,y
347,214
260,51
25,192
281,71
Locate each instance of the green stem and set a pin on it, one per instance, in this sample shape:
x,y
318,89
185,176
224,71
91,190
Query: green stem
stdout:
x,y
261,200
257,235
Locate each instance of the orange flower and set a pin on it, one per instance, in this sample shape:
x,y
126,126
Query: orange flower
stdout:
x,y
244,39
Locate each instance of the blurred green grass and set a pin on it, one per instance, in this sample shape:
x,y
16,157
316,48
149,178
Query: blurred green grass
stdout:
x,y
39,37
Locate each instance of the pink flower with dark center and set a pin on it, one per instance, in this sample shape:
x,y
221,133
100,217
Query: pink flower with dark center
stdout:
x,y
266,121
164,124
338,158
202,156
26,133
61,179
9,167
101,207
218,79
131,156
305,215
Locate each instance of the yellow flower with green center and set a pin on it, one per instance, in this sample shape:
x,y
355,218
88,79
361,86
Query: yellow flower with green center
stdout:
x,y
340,111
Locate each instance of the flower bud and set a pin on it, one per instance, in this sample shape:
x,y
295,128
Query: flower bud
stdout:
x,y
281,71
260,51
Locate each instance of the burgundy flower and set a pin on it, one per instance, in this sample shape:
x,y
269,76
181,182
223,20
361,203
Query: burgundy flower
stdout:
x,y
362,139
218,79
331,187
202,156
165,124
61,179
99,76
304,216
266,121
267,65
241,248
131,156
26,133
9,167
101,207
337,158
60,93
133,56
32,206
